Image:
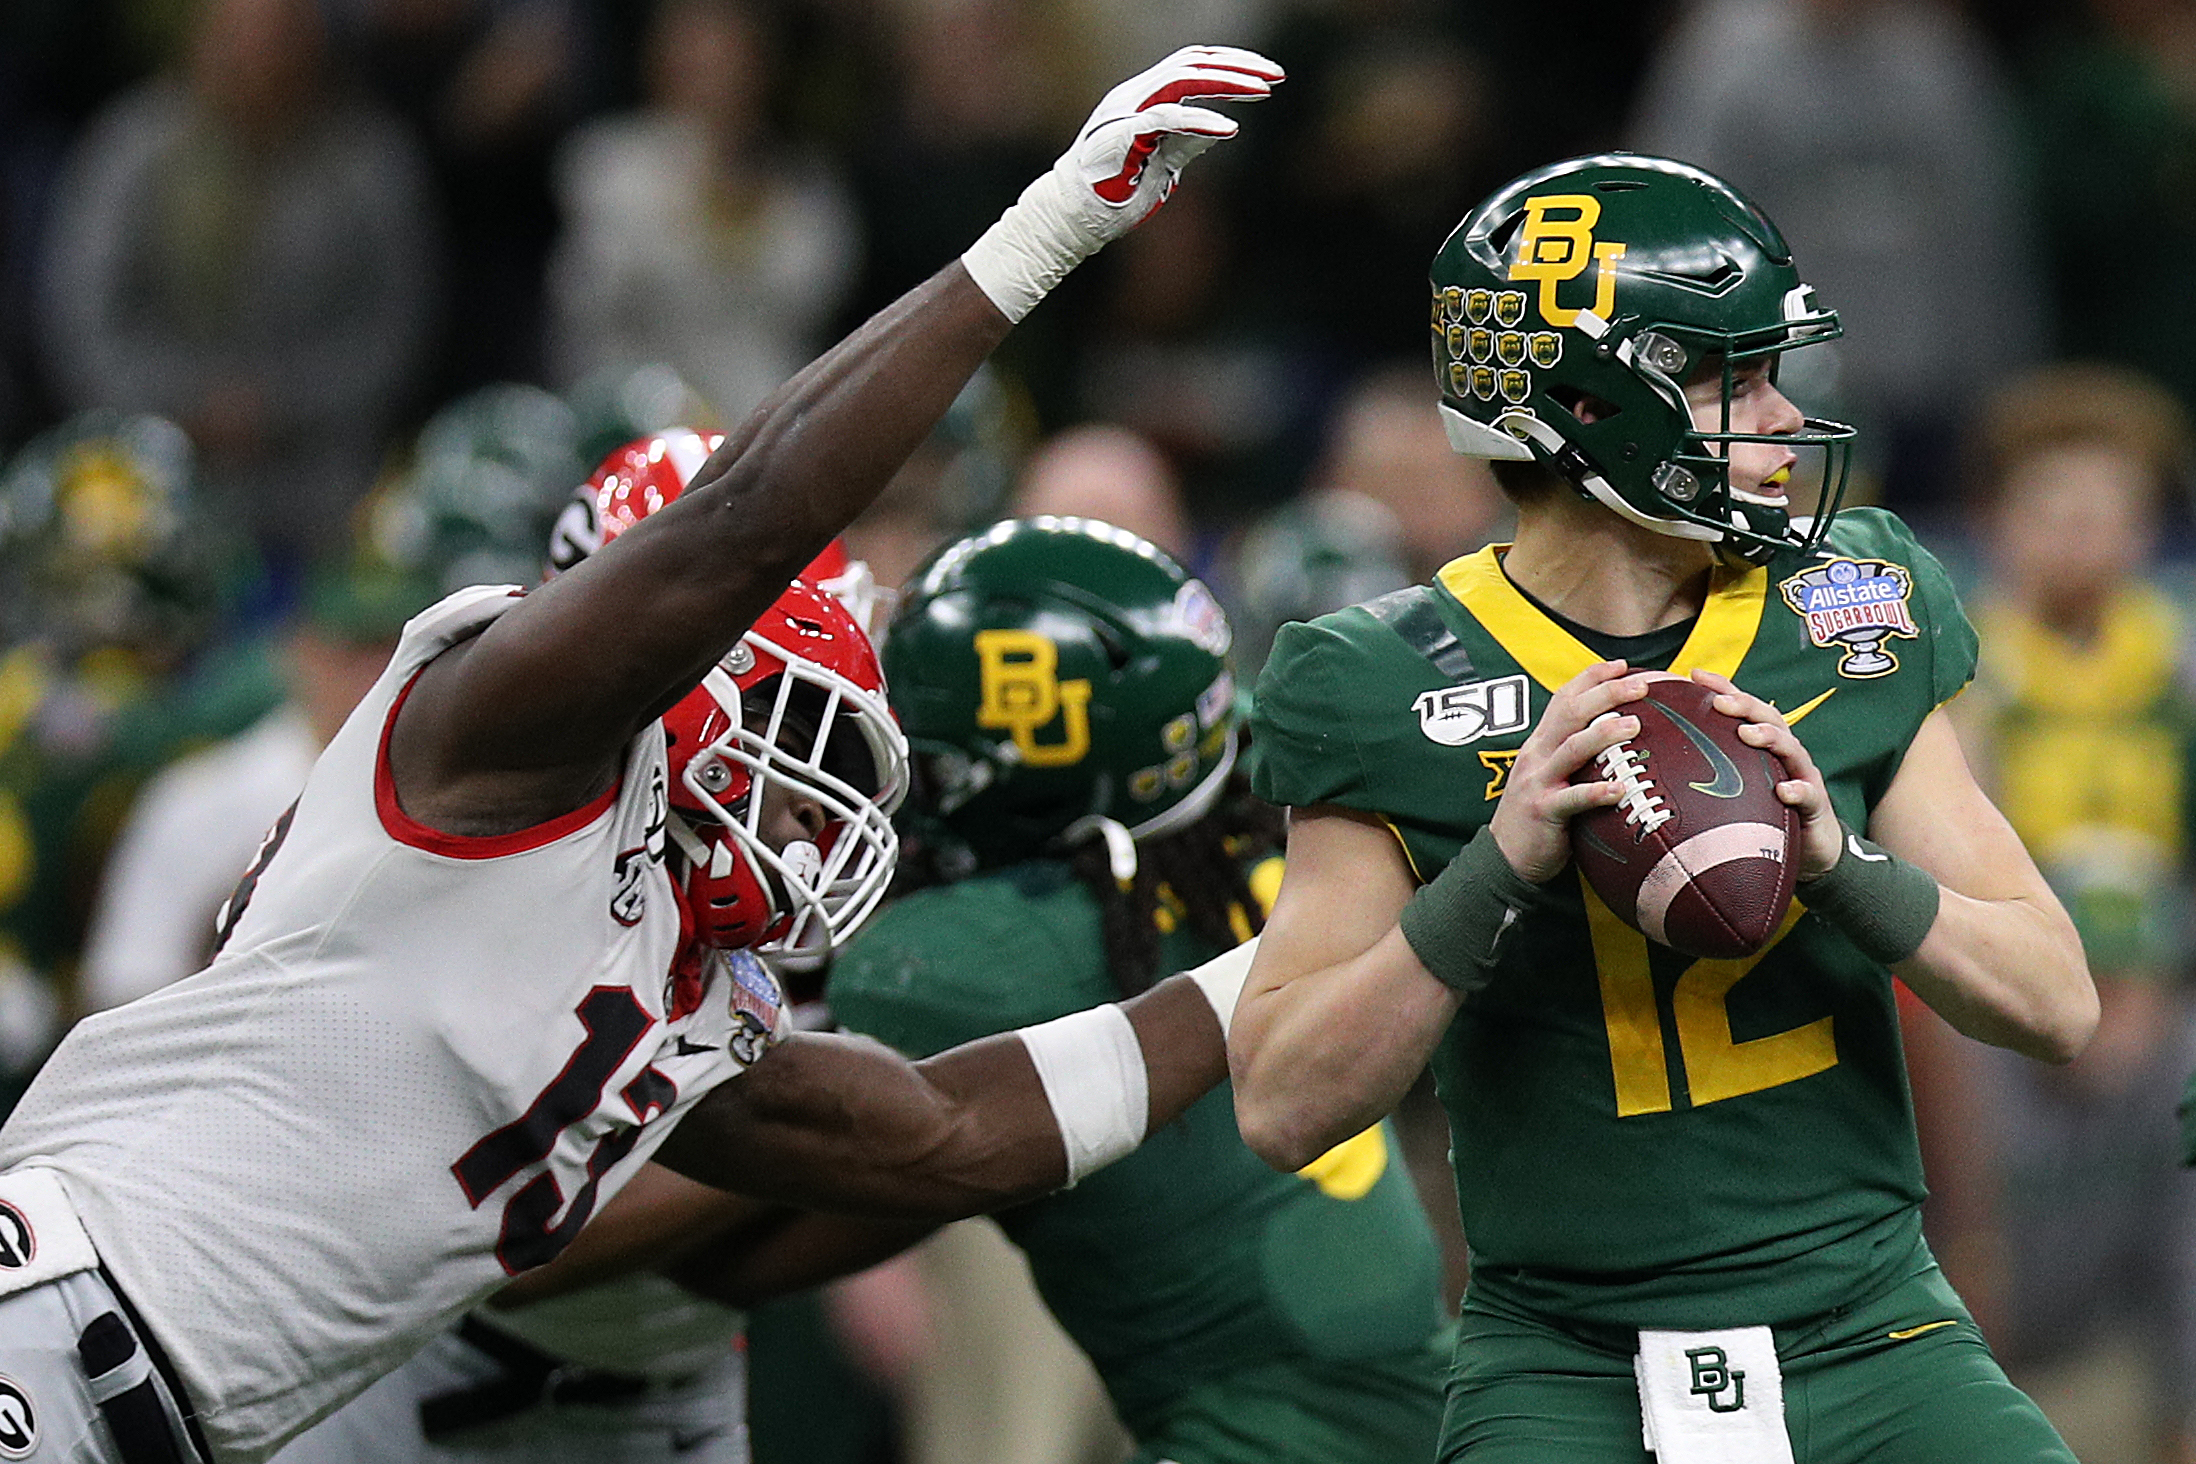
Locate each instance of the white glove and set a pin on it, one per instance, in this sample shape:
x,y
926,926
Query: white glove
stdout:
x,y
1122,167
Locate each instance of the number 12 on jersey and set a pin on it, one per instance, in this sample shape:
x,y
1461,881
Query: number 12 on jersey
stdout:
x,y
1714,1065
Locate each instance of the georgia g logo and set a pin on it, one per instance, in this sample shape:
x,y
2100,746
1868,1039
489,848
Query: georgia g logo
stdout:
x,y
18,1421
18,1245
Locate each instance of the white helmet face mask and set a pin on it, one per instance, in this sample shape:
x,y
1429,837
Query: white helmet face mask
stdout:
x,y
821,892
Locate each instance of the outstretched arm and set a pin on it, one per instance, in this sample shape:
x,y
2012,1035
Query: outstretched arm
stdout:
x,y
529,719
844,1124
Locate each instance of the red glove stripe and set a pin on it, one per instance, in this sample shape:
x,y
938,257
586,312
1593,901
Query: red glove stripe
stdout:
x,y
1198,86
1121,186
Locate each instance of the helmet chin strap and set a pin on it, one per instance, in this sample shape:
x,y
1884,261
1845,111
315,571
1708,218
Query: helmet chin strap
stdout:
x,y
1579,472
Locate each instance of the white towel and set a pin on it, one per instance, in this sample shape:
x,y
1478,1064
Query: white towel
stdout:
x,y
1712,1397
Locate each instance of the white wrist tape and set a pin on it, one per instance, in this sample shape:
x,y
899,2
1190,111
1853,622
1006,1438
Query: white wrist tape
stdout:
x,y
1029,250
1221,979
1092,1068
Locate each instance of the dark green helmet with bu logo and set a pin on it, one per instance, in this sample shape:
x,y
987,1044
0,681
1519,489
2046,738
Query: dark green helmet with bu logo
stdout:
x,y
1055,673
1614,280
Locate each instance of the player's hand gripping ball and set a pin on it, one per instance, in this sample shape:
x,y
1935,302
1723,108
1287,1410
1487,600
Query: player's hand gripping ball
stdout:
x,y
1698,852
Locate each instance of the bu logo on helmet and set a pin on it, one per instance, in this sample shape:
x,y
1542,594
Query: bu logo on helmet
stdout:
x,y
1022,692
1556,244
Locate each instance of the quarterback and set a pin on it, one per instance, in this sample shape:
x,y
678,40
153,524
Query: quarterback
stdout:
x,y
1692,1187
508,936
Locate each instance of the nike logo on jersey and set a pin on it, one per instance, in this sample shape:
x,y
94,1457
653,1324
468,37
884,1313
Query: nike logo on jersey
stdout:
x,y
1791,718
1853,846
684,1048
1728,782
1903,1334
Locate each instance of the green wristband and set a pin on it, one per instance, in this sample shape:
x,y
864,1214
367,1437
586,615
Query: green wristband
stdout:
x,y
1457,922
1884,904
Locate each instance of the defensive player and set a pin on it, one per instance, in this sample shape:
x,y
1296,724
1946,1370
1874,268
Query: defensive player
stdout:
x,y
1681,1178
482,967
1066,689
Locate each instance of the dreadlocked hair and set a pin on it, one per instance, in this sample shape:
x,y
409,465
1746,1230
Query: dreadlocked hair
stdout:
x,y
1196,877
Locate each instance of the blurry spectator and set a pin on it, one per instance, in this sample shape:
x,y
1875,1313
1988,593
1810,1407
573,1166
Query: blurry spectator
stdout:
x,y
194,829
1112,474
1391,122
489,86
1878,134
1179,350
695,236
1387,505
2082,731
2111,109
59,60
957,479
971,104
245,249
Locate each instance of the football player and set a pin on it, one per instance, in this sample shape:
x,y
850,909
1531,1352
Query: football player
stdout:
x,y
1068,699
507,937
1691,1187
1236,1315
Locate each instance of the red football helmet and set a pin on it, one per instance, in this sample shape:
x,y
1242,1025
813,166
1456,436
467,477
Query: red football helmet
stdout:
x,y
797,703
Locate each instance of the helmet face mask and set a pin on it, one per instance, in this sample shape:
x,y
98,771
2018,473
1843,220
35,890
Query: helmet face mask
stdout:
x,y
1572,308
813,724
1060,679
794,710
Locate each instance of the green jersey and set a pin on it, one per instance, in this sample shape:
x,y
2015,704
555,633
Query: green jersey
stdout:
x,y
1641,1138
1233,1312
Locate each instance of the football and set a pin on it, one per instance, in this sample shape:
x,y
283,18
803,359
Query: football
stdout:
x,y
1697,853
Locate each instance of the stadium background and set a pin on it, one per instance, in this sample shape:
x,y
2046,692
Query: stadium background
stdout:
x,y
400,270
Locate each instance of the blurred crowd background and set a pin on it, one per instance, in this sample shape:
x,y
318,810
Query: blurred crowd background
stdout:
x,y
313,309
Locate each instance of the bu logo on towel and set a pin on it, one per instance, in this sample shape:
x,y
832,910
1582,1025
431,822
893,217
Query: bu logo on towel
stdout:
x,y
1712,1374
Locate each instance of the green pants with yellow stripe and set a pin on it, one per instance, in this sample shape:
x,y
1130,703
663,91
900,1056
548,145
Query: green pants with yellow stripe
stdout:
x,y
1904,1378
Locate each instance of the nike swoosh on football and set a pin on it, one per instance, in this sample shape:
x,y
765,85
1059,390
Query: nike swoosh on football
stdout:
x,y
1728,782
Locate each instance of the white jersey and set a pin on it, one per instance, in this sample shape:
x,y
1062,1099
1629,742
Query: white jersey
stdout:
x,y
416,1065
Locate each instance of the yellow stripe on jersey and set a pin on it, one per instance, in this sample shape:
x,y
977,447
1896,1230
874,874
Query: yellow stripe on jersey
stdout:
x,y
1905,1332
1551,655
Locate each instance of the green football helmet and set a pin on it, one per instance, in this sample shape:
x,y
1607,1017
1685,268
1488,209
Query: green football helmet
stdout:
x,y
1054,675
104,542
1616,278
489,475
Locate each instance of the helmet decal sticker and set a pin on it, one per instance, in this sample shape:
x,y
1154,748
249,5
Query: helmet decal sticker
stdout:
x,y
1556,244
1022,692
